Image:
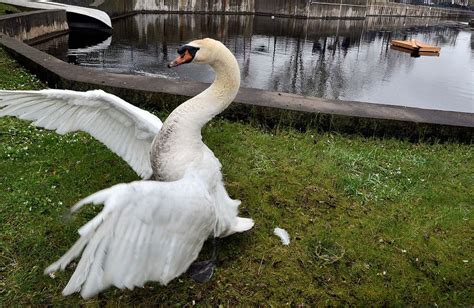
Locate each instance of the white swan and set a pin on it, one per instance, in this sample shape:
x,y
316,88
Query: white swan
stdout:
x,y
147,230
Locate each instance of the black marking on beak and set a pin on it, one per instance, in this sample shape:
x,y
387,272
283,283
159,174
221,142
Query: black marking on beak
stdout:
x,y
186,55
192,50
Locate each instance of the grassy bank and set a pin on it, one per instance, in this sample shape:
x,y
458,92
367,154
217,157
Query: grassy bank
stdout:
x,y
380,222
7,8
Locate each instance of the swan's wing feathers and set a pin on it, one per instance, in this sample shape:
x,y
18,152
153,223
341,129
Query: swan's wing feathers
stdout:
x,y
125,129
147,231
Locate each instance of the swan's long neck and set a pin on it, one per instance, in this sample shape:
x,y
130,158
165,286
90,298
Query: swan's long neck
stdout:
x,y
215,99
181,132
192,115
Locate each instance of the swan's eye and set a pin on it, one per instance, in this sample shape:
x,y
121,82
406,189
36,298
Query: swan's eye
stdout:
x,y
186,48
186,55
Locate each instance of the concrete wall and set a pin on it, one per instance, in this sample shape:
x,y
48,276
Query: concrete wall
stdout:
x,y
116,7
286,8
299,8
396,23
337,11
34,25
224,6
313,9
112,7
407,10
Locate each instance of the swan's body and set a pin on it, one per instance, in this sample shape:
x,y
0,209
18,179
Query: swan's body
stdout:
x,y
148,230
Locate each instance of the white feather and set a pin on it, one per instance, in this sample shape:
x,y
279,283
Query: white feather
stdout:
x,y
146,231
125,129
283,235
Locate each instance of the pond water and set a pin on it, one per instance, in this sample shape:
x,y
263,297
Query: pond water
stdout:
x,y
337,59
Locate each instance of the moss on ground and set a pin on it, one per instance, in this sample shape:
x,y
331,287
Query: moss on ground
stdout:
x,y
373,222
4,8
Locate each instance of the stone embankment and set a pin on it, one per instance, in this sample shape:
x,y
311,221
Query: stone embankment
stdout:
x,y
406,10
34,26
350,9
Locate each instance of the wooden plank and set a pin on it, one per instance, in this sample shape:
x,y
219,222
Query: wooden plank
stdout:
x,y
405,50
427,48
430,49
428,53
405,44
414,45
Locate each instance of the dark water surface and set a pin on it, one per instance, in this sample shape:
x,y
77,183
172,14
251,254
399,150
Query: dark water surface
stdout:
x,y
338,59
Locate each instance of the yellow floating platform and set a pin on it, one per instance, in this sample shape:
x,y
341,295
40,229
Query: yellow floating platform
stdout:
x,y
416,46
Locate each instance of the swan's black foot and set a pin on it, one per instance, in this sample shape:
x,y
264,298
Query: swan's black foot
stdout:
x,y
202,271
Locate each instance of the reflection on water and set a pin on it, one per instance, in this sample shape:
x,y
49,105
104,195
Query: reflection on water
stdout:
x,y
339,59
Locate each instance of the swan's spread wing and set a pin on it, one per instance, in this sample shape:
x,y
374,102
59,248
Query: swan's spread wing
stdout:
x,y
125,129
147,231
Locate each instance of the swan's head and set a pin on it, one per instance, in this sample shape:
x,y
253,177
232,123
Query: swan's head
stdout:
x,y
199,51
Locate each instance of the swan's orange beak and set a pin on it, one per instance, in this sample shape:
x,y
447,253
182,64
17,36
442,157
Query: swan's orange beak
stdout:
x,y
186,57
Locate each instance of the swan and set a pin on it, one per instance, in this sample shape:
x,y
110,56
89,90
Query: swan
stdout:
x,y
148,230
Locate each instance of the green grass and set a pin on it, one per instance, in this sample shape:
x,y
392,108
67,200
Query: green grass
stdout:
x,y
373,222
6,7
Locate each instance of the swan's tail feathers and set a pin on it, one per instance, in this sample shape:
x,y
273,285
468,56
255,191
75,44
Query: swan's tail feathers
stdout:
x,y
125,129
147,231
243,224
226,208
